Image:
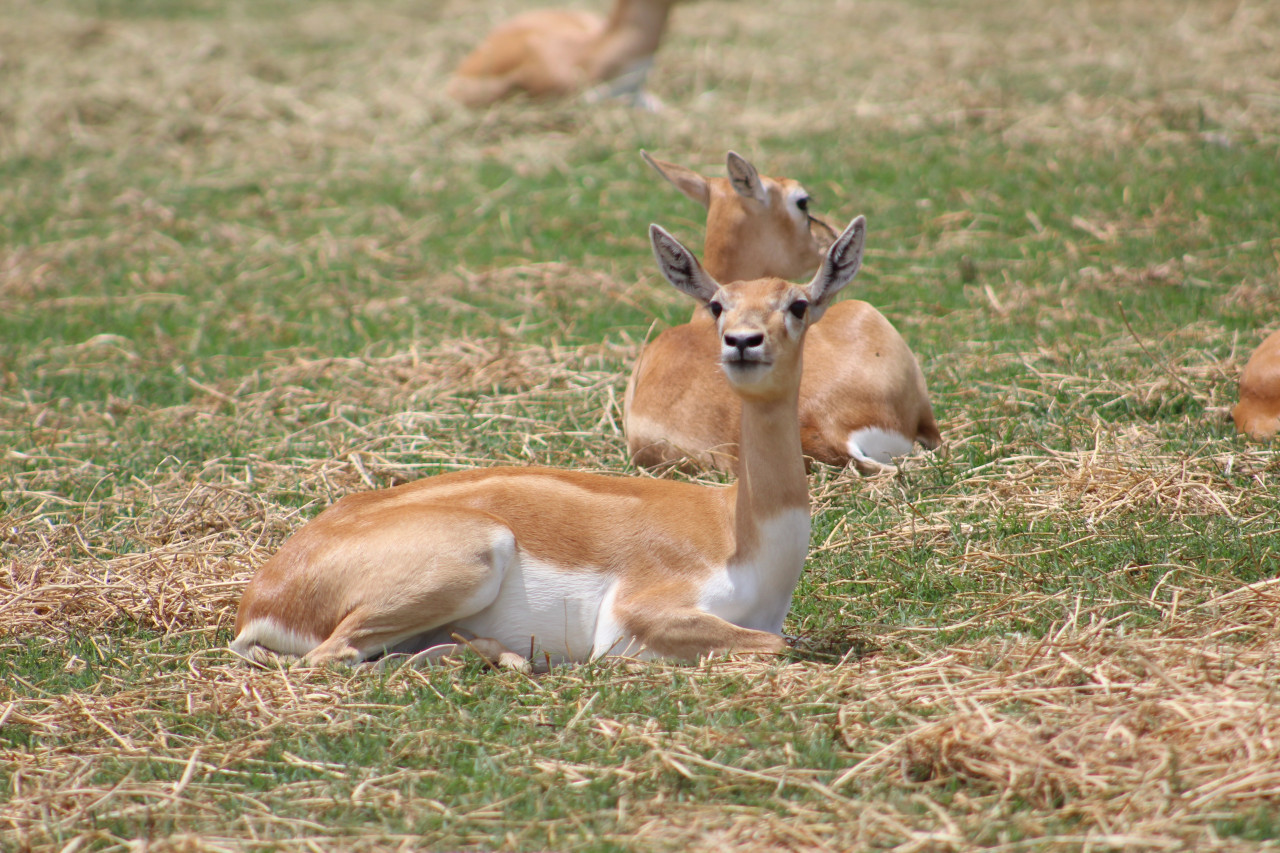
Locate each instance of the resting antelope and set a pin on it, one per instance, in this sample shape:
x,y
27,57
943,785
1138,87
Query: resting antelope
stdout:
x,y
862,398
557,52
564,566
1258,412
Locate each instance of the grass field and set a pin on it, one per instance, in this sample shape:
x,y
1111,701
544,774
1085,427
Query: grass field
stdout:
x,y
251,260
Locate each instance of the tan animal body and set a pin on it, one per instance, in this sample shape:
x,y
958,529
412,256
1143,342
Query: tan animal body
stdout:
x,y
862,397
554,565
1258,412
559,52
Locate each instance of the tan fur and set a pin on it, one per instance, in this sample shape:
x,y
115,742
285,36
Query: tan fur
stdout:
x,y
404,569
859,372
1258,412
557,52
755,226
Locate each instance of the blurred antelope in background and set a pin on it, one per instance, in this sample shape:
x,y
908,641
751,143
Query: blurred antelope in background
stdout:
x,y
558,52
543,564
862,397
1258,412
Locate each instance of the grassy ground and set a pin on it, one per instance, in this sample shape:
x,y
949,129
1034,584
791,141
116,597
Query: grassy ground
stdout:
x,y
251,260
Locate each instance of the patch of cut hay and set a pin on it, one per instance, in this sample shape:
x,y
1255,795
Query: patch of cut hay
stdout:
x,y
1146,736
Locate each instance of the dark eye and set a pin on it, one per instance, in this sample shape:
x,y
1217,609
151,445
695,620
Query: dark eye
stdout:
x,y
716,309
803,203
798,308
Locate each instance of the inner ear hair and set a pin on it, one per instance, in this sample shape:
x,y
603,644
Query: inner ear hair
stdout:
x,y
842,263
680,267
744,177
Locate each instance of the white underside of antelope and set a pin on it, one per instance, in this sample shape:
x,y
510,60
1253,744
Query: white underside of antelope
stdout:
x,y
546,613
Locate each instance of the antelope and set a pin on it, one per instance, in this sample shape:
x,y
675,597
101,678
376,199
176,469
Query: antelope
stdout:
x,y
862,396
557,52
1258,412
566,566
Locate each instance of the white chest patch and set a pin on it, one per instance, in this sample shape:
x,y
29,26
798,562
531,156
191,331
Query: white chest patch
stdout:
x,y
544,608
878,445
756,593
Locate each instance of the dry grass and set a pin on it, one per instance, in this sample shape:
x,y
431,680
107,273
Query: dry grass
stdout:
x,y
1101,74
1088,736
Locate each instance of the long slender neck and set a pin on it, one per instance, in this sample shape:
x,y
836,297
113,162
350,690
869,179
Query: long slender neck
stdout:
x,y
633,32
719,255
728,229
771,472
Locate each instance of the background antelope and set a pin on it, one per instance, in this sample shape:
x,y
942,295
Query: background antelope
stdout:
x,y
862,396
1258,412
557,52
566,566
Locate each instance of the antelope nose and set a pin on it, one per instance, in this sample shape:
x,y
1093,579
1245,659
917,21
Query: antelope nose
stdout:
x,y
743,341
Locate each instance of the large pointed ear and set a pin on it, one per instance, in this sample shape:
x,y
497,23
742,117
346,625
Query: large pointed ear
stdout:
x,y
687,181
680,267
842,263
745,179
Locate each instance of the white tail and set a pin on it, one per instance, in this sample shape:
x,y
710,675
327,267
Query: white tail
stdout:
x,y
558,52
1258,412
543,564
862,398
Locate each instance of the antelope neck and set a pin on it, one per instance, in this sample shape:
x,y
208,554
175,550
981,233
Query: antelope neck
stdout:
x,y
771,473
632,33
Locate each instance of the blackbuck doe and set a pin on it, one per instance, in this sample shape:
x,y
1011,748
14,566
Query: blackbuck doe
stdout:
x,y
559,52
1258,412
545,565
862,397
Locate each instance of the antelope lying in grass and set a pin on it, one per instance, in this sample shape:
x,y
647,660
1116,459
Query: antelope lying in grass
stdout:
x,y
1258,412
557,52
862,397
566,566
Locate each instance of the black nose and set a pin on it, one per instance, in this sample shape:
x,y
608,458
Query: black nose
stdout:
x,y
744,342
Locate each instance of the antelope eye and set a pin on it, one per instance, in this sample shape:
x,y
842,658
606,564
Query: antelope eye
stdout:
x,y
803,203
798,308
716,309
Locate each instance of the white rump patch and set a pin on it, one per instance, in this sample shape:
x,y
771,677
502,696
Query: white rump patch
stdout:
x,y
873,444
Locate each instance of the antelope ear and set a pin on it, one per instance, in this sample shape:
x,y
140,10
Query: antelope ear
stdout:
x,y
842,263
745,179
687,181
680,267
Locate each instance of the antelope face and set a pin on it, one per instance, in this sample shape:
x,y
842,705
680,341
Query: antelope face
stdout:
x,y
813,235
761,325
761,226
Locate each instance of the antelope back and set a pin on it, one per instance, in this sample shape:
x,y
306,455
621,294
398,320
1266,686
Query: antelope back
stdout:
x,y
1258,412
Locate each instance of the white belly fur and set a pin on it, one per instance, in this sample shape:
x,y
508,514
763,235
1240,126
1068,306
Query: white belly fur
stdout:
x,y
544,608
